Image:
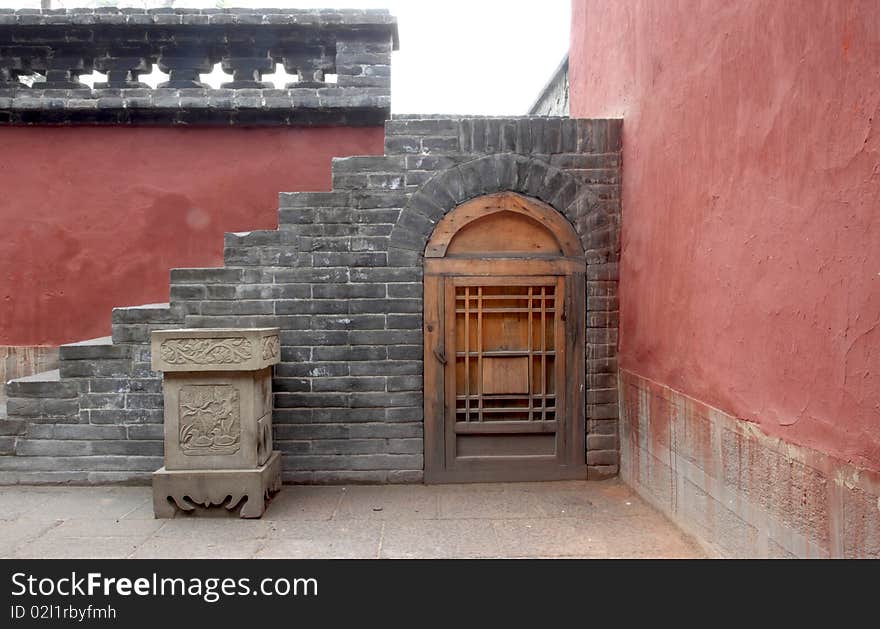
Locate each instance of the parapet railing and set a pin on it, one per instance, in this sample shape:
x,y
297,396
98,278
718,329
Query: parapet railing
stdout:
x,y
45,53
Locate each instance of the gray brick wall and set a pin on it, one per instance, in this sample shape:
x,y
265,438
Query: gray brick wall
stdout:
x,y
342,278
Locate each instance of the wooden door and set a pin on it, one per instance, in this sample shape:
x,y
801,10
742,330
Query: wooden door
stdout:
x,y
504,322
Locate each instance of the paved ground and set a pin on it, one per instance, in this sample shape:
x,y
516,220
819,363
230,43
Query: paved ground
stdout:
x,y
565,519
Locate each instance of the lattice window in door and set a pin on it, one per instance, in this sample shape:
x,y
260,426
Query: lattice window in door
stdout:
x,y
505,352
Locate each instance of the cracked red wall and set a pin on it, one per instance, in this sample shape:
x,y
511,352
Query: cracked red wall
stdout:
x,y
94,218
750,275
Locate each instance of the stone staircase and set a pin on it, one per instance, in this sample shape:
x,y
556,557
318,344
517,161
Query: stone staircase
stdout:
x,y
341,277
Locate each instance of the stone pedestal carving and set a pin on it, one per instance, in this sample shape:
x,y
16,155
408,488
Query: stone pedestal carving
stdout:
x,y
218,419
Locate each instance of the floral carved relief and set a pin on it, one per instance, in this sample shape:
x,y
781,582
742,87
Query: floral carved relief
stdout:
x,y
210,420
271,346
206,351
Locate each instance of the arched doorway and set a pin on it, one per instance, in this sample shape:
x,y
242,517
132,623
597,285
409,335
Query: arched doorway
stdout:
x,y
504,344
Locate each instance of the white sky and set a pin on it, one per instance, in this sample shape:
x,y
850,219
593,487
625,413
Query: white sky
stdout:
x,y
488,57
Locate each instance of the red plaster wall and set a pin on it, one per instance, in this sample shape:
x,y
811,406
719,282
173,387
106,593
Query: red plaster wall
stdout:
x,y
750,274
93,218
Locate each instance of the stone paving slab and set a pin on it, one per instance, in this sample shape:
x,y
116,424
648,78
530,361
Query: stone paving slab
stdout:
x,y
560,519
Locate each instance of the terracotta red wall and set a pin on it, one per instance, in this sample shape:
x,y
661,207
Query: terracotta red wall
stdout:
x,y
750,274
94,218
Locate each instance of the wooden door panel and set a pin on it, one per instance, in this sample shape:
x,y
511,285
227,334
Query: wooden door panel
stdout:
x,y
517,444
506,375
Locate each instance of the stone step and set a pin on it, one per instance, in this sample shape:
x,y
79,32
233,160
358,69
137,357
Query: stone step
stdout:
x,y
256,238
358,164
293,247
132,324
379,172
266,248
93,357
311,200
146,313
41,397
206,275
44,384
300,208
93,349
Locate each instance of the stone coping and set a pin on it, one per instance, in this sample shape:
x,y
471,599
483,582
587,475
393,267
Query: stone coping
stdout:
x,y
197,17
349,106
215,349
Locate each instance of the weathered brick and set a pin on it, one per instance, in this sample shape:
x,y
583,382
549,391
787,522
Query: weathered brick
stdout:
x,y
403,291
349,384
384,400
205,276
602,426
350,353
602,457
446,144
312,306
602,411
348,291
402,144
11,427
311,399
102,400
386,368
41,385
404,321
596,442
405,352
311,369
101,348
347,415
405,383
399,306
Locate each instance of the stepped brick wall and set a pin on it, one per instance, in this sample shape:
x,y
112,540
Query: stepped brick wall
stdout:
x,y
342,278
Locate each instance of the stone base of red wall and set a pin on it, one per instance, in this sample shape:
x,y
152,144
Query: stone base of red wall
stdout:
x,y
740,492
18,362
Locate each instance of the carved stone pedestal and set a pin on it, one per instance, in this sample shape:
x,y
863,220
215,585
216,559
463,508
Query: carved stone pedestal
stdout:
x,y
245,490
218,419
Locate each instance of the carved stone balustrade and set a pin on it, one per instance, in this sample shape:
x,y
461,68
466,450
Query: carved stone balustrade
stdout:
x,y
45,55
123,68
310,64
247,65
218,419
63,69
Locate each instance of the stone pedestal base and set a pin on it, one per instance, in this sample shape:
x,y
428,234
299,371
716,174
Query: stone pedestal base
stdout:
x,y
232,489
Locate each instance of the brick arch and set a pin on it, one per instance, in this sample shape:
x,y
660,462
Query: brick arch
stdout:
x,y
489,174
